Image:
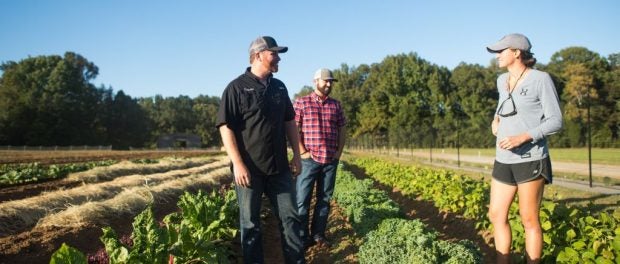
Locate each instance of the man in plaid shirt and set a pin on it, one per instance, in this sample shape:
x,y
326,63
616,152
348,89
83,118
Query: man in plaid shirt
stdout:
x,y
320,122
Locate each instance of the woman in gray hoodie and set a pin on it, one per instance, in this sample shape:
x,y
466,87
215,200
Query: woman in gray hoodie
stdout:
x,y
527,112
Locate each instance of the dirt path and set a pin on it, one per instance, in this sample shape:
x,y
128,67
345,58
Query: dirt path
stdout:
x,y
344,242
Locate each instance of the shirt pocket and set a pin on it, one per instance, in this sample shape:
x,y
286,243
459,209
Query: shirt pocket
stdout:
x,y
250,102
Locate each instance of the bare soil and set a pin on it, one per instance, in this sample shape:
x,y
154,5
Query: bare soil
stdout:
x,y
344,243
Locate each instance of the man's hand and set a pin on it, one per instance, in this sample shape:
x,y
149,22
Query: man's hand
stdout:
x,y
242,175
296,165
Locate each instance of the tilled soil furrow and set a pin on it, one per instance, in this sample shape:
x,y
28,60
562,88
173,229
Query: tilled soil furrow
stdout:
x,y
50,231
19,215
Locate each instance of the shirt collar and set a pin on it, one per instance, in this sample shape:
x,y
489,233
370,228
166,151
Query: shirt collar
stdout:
x,y
249,73
317,98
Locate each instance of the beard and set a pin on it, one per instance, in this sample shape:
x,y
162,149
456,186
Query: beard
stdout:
x,y
273,67
325,90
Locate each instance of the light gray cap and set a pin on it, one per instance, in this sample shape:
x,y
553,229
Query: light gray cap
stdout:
x,y
511,41
265,43
324,74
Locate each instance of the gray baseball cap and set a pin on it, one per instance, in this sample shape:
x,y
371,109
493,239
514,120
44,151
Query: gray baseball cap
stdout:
x,y
511,41
324,74
265,43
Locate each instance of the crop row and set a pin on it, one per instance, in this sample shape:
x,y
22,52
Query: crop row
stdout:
x,y
202,232
571,234
388,237
114,184
33,172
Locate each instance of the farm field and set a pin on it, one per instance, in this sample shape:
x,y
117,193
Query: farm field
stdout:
x,y
36,218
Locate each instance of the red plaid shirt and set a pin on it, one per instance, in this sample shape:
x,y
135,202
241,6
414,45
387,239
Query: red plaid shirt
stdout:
x,y
319,122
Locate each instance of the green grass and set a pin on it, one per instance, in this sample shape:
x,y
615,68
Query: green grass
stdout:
x,y
607,156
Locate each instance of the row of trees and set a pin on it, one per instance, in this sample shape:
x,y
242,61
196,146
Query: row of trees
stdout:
x,y
50,100
403,101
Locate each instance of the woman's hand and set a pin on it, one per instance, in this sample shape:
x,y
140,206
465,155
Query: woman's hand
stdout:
x,y
512,142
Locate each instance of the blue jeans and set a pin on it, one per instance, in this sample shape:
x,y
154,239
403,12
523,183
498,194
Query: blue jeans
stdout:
x,y
279,190
324,175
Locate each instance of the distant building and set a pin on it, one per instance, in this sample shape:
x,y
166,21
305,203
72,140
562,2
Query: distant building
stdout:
x,y
179,140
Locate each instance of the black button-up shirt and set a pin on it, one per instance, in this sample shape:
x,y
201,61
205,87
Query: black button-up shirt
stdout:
x,y
257,115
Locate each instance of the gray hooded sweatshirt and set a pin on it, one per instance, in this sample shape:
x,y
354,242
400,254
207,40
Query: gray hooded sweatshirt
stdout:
x,y
538,114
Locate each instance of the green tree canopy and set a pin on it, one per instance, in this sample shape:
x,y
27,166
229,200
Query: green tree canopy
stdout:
x,y
48,100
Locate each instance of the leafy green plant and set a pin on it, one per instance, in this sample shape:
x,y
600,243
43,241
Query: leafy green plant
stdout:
x,y
149,242
570,235
592,239
68,255
32,172
410,241
201,233
447,190
204,229
389,239
364,206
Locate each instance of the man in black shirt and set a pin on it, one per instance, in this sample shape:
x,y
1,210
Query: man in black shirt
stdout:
x,y
255,118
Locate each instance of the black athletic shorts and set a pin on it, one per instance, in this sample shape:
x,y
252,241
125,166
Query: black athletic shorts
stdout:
x,y
513,174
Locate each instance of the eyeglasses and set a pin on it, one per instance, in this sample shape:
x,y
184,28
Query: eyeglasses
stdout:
x,y
501,107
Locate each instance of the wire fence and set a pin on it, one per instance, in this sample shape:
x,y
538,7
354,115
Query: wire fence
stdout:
x,y
54,148
97,148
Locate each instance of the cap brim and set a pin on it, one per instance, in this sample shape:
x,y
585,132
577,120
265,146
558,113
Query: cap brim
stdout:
x,y
279,49
497,47
492,51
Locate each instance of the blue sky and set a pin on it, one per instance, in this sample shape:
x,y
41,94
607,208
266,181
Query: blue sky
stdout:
x,y
174,48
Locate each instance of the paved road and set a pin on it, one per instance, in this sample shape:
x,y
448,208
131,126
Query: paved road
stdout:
x,y
566,167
